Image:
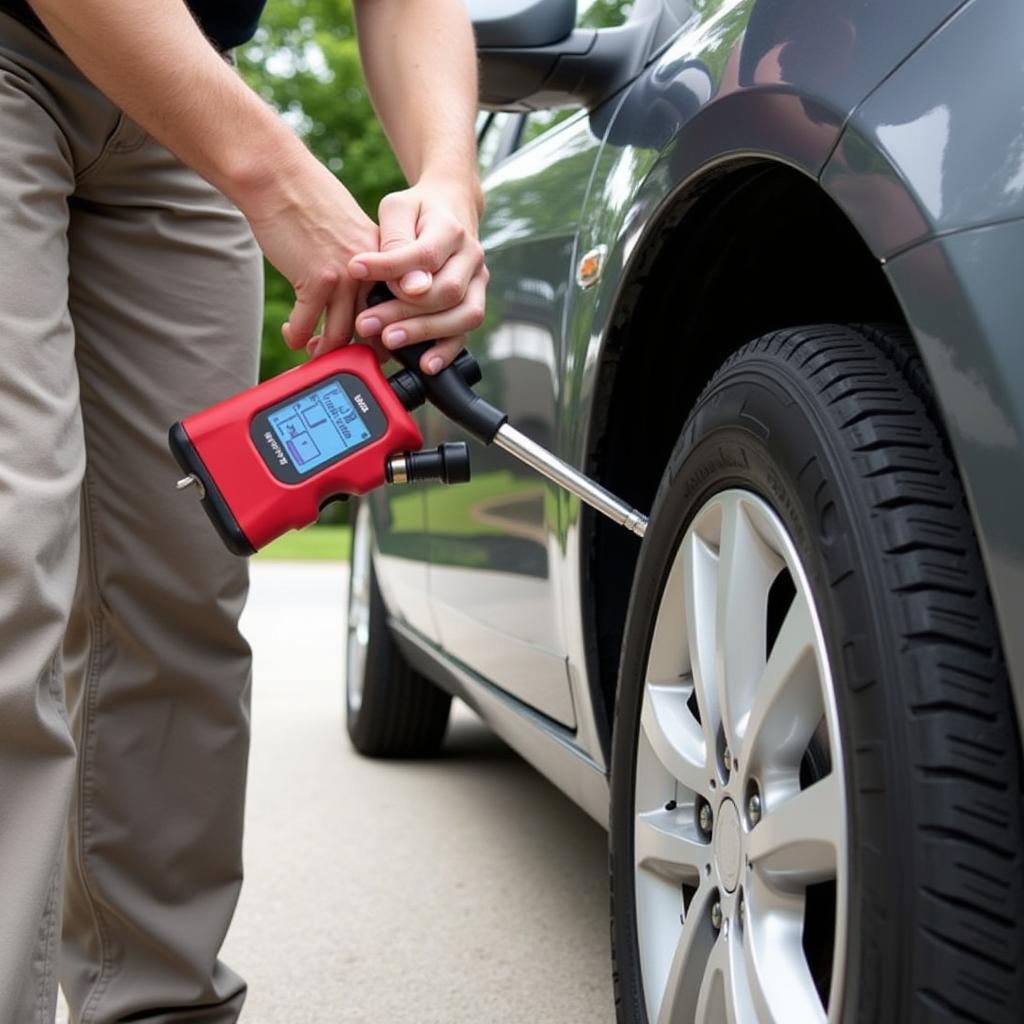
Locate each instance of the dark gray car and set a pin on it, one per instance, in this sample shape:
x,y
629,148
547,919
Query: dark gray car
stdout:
x,y
757,267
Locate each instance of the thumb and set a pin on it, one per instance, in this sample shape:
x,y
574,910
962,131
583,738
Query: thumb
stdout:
x,y
399,215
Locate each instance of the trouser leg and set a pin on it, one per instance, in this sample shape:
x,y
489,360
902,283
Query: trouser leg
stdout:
x,y
41,463
166,301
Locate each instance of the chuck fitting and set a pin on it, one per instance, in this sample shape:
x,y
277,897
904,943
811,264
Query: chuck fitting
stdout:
x,y
449,463
411,391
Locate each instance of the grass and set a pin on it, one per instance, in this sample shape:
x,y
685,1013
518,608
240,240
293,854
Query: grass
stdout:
x,y
315,543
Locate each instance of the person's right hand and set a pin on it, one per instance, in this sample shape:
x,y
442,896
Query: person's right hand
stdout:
x,y
310,234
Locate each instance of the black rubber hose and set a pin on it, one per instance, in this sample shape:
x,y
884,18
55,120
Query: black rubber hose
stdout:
x,y
447,390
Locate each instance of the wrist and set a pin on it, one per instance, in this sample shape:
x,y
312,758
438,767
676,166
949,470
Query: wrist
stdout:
x,y
461,188
265,180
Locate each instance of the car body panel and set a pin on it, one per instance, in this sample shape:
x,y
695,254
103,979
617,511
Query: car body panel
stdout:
x,y
910,163
795,82
402,555
498,607
723,90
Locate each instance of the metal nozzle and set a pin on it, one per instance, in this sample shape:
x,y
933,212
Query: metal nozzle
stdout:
x,y
192,481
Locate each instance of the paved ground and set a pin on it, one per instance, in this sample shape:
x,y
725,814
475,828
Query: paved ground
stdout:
x,y
464,889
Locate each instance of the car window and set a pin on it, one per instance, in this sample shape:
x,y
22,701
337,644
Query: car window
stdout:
x,y
682,9
538,122
490,133
603,13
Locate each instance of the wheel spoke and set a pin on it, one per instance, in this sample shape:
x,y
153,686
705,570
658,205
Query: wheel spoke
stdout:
x,y
668,848
775,968
700,570
690,959
787,704
746,569
674,735
796,843
712,1007
669,657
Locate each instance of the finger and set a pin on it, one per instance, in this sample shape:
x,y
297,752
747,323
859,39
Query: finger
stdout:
x,y
398,215
441,354
448,290
436,242
310,300
465,317
338,322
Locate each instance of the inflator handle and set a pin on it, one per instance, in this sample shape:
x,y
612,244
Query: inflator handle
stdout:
x,y
447,390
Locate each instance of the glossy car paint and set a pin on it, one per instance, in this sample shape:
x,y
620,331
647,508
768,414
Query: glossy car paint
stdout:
x,y
937,153
493,560
830,89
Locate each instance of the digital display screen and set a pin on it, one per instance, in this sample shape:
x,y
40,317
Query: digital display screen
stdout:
x,y
318,427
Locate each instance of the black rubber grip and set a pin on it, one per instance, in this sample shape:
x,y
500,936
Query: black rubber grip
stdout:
x,y
447,390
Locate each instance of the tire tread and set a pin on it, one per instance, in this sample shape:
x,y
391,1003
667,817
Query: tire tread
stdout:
x,y
873,383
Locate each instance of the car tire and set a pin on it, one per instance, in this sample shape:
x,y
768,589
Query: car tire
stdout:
x,y
878,874
391,710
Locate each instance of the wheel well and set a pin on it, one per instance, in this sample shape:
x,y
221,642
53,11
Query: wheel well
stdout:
x,y
753,248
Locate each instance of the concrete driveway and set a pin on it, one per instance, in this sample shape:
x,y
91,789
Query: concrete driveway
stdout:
x,y
461,889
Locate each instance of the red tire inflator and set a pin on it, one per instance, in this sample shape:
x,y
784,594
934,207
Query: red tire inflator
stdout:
x,y
269,459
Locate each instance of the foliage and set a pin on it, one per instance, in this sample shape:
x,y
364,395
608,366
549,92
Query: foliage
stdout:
x,y
305,61
604,13
315,543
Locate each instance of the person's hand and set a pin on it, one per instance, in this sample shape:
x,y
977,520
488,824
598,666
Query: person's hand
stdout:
x,y
431,259
311,235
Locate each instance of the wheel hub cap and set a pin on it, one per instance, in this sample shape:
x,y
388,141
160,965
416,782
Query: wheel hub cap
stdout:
x,y
728,845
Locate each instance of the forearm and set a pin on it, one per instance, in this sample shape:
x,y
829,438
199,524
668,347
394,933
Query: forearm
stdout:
x,y
420,64
151,59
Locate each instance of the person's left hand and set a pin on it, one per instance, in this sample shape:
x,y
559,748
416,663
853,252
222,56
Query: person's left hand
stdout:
x,y
434,265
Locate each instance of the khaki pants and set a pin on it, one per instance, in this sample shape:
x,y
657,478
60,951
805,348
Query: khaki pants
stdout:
x,y
130,295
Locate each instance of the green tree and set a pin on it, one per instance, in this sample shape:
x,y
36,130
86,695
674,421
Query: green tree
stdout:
x,y
304,61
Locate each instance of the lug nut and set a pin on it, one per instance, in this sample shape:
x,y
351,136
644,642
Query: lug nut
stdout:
x,y
716,915
727,760
705,818
754,809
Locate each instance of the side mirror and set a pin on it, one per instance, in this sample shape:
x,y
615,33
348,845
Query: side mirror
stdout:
x,y
533,58
518,23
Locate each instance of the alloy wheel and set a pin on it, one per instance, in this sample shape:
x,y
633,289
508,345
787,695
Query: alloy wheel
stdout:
x,y
740,827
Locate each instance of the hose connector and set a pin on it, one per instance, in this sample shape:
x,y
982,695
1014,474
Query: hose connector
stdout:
x,y
448,463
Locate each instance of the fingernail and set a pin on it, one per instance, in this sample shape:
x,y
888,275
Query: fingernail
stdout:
x,y
395,338
358,270
416,281
313,348
434,364
370,327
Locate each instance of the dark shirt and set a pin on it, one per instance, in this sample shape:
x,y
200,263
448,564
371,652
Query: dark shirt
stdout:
x,y
226,23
